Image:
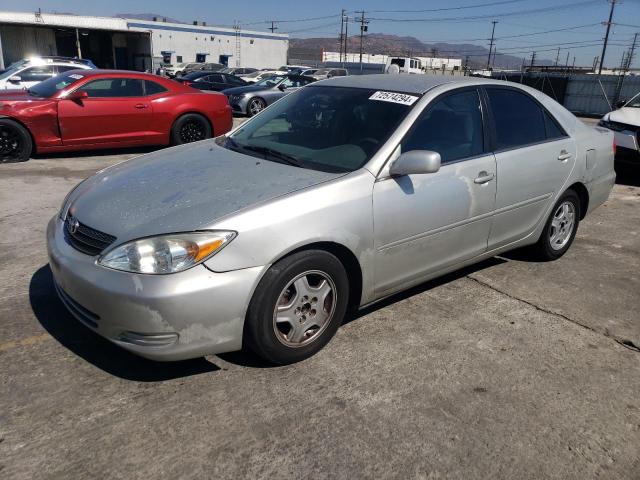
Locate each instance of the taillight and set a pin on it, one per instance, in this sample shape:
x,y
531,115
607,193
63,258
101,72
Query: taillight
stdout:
x,y
188,84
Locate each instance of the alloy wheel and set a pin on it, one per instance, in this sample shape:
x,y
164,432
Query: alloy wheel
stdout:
x,y
10,143
562,225
304,308
192,131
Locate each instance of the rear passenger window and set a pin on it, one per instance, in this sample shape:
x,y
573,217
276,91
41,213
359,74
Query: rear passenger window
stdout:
x,y
518,119
452,126
151,88
553,130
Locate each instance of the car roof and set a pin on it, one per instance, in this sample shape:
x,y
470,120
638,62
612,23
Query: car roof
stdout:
x,y
97,72
417,84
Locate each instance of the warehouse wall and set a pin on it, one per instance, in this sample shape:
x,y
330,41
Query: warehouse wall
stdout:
x,y
19,42
254,52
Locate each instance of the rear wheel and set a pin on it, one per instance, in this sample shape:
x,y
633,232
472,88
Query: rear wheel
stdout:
x,y
15,142
255,106
560,229
191,127
297,307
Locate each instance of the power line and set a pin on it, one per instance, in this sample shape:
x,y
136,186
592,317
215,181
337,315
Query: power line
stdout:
x,y
463,7
493,15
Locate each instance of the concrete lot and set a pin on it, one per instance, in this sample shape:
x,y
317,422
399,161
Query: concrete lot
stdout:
x,y
510,369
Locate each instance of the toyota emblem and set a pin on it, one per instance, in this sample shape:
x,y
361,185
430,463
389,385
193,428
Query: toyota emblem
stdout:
x,y
74,224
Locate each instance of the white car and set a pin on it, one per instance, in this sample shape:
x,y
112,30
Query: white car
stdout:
x,y
260,75
625,124
26,73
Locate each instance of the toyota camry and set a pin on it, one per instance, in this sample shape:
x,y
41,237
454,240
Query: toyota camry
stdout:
x,y
333,198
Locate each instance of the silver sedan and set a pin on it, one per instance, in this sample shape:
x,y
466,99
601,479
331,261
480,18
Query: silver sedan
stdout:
x,y
333,198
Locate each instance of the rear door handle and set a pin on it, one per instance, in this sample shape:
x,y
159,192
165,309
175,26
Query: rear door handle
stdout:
x,y
141,105
484,177
564,155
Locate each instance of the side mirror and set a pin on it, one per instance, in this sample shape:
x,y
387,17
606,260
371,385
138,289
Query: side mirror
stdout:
x,y
15,79
282,87
415,162
619,103
78,95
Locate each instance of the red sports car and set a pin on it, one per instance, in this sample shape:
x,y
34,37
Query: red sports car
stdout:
x,y
93,109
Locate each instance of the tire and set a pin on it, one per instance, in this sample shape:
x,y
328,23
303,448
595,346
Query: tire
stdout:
x,y
190,127
15,142
255,106
565,215
300,327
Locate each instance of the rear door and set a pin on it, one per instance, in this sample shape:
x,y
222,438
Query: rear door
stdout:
x,y
534,158
116,110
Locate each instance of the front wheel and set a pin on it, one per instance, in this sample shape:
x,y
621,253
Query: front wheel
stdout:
x,y
255,106
560,229
15,142
190,128
297,307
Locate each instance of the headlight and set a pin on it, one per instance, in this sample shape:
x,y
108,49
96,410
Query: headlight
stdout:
x,y
166,253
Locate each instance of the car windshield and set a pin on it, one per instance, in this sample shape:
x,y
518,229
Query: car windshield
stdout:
x,y
322,71
49,87
332,129
634,102
10,72
270,81
254,74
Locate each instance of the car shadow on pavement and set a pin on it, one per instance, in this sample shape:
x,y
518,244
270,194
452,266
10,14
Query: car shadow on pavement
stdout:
x,y
70,333
246,358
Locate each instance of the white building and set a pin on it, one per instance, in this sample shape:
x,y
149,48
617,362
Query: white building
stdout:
x,y
135,44
428,63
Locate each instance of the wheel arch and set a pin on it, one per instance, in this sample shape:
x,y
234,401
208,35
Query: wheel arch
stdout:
x,y
583,195
349,261
34,145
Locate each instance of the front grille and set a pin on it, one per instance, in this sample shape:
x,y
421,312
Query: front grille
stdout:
x,y
84,238
85,316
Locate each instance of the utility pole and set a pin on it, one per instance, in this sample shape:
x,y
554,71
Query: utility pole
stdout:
x,y
466,65
341,33
596,59
346,37
363,29
273,27
632,51
566,63
533,58
493,31
557,57
606,35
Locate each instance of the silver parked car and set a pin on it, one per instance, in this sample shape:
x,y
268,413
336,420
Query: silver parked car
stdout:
x,y
252,99
340,194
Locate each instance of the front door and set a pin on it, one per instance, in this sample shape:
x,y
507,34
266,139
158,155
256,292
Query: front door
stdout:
x,y
115,111
426,223
534,158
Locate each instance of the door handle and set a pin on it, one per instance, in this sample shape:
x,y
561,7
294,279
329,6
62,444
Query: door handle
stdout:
x,y
141,105
564,155
484,177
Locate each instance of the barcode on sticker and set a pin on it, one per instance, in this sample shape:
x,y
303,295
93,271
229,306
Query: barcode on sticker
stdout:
x,y
394,97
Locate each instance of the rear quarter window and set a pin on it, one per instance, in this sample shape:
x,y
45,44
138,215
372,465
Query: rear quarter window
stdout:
x,y
152,88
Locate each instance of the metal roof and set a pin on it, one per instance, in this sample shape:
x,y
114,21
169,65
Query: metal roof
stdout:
x,y
417,83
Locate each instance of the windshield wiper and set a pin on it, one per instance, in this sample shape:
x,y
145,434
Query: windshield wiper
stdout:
x,y
267,153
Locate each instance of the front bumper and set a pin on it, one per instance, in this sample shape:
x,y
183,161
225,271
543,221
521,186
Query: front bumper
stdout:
x,y
161,317
238,105
627,139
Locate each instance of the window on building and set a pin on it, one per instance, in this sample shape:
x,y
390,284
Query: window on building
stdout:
x,y
179,58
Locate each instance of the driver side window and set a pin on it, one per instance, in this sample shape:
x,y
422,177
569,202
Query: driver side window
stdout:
x,y
451,126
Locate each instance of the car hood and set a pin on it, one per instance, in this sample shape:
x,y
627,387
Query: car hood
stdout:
x,y
245,89
626,115
182,189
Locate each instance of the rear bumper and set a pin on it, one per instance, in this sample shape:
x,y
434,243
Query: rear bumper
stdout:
x,y
161,317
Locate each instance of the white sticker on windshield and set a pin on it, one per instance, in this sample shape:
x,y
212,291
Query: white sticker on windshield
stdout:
x,y
76,76
394,97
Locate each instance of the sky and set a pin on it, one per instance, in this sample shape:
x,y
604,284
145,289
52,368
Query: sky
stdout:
x,y
523,26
